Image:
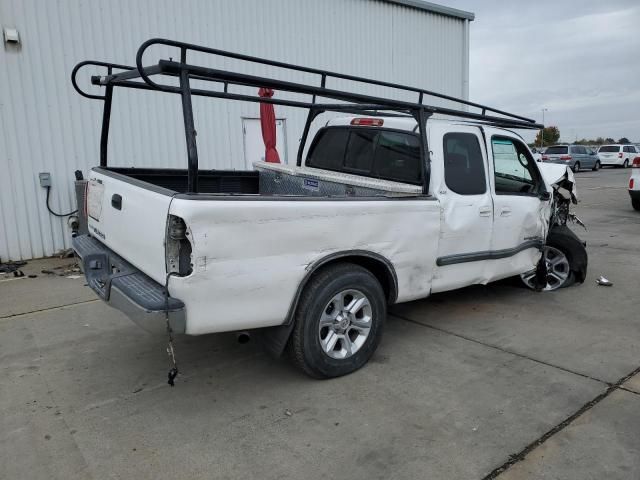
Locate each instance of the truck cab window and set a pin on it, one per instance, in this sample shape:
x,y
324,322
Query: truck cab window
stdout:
x,y
463,164
515,171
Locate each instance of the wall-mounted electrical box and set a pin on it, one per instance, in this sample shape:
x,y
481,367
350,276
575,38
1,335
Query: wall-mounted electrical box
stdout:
x,y
45,179
11,35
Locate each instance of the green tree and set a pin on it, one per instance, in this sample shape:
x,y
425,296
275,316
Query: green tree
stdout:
x,y
624,140
551,136
599,140
609,140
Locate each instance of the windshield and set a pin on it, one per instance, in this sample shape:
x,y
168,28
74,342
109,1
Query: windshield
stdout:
x,y
609,148
556,150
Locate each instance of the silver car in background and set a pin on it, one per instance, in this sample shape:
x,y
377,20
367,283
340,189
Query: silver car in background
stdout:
x,y
617,155
575,156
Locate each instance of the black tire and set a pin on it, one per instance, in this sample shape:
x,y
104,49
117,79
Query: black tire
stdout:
x,y
562,238
635,203
625,164
576,167
596,166
304,345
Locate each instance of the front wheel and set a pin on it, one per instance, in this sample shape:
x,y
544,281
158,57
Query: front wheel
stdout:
x,y
339,321
566,260
596,167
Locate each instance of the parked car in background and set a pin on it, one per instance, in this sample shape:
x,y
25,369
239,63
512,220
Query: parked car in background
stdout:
x,y
537,154
617,155
634,183
575,156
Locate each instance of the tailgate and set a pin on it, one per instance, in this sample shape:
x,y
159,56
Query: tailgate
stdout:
x,y
130,219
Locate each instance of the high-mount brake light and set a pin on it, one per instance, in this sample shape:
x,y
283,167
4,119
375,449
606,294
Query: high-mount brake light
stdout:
x,y
368,122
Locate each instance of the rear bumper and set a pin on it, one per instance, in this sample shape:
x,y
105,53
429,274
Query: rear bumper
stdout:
x,y
127,289
634,194
560,162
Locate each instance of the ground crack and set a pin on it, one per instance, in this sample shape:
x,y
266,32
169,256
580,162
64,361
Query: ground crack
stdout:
x,y
495,347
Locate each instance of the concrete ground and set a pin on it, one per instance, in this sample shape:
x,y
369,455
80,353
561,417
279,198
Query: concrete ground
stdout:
x,y
490,381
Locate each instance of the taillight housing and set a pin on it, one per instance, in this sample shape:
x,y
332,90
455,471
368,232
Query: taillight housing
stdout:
x,y
631,184
636,162
566,158
545,157
368,122
620,155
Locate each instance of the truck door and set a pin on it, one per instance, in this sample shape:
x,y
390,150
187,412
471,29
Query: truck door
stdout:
x,y
459,180
520,217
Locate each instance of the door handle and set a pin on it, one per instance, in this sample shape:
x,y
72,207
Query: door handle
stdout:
x,y
505,212
485,211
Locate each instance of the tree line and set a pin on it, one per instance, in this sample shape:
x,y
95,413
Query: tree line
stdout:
x,y
551,136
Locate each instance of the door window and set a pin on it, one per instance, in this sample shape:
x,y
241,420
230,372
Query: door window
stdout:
x,y
514,170
463,164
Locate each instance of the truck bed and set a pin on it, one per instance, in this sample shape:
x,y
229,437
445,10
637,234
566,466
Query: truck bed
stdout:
x,y
271,180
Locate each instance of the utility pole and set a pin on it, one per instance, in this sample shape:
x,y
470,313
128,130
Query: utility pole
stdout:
x,y
542,133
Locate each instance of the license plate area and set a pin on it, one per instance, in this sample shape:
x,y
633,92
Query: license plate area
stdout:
x,y
95,196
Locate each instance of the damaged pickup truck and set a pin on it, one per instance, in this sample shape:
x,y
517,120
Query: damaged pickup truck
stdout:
x,y
390,202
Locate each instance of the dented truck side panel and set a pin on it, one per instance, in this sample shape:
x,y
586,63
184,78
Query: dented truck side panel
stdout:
x,y
250,257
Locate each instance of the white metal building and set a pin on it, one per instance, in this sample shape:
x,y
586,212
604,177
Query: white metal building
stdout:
x,y
45,126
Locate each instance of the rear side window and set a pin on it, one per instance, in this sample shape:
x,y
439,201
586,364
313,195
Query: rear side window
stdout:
x,y
370,152
609,148
557,150
463,164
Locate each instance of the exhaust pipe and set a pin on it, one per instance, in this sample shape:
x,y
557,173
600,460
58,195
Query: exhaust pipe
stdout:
x,y
243,337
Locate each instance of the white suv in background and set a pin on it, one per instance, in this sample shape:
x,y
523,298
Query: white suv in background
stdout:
x,y
634,183
617,155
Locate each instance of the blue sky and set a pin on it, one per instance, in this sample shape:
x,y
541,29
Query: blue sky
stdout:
x,y
578,59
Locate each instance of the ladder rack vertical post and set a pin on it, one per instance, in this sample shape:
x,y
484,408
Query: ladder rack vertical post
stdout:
x,y
189,127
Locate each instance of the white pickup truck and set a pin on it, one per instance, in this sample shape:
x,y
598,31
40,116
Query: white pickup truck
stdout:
x,y
384,207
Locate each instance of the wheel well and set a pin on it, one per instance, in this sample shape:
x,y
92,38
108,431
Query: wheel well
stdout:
x,y
383,273
379,268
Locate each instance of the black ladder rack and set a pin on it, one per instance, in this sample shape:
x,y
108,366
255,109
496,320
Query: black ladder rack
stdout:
x,y
351,102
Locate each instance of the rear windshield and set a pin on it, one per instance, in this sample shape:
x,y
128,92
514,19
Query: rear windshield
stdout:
x,y
371,152
556,150
609,148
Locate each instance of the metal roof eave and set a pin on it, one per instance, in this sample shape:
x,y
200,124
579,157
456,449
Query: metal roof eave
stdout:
x,y
435,8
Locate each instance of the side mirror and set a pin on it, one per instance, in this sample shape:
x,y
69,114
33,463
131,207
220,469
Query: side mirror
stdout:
x,y
545,196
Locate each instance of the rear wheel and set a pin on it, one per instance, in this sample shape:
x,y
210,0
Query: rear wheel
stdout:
x,y
576,167
339,321
596,167
625,164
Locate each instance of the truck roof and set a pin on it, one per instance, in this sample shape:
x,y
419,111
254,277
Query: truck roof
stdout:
x,y
406,123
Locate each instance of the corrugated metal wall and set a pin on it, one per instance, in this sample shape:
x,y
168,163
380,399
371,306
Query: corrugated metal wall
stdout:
x,y
46,126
